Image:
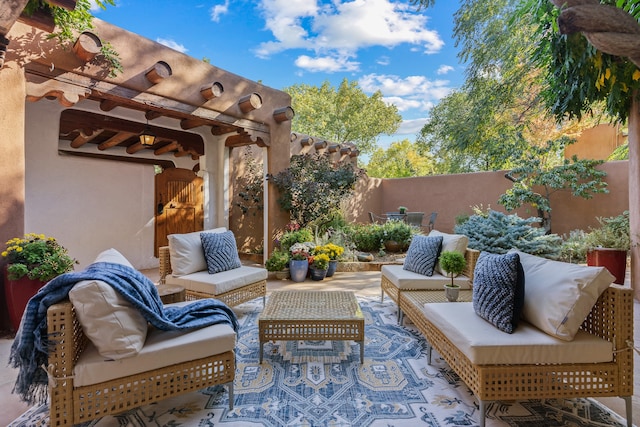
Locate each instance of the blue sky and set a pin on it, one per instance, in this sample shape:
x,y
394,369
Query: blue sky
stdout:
x,y
385,45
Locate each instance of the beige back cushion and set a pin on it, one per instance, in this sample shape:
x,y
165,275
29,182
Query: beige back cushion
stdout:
x,y
558,296
450,242
113,325
185,252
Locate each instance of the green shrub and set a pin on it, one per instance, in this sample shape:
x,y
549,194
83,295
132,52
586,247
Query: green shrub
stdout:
x,y
613,233
574,247
365,237
453,263
277,261
398,231
290,238
498,232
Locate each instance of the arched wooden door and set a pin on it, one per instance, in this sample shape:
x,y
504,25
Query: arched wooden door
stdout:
x,y
179,204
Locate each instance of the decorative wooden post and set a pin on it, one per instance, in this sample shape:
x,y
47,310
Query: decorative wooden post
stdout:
x,y
160,71
333,148
320,145
250,102
87,46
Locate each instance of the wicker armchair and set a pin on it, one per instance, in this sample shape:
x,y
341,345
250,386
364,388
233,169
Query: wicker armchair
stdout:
x,y
71,405
231,298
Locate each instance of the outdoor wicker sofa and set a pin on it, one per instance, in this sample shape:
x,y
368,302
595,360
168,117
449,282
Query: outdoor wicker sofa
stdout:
x,y
71,403
537,360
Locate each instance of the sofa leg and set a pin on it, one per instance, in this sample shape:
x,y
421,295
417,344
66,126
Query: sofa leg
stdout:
x,y
382,296
483,411
231,397
629,408
429,351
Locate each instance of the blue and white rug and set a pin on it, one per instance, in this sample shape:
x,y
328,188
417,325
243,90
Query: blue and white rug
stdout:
x,y
319,383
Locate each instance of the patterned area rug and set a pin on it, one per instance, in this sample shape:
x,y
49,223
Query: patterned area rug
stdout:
x,y
319,383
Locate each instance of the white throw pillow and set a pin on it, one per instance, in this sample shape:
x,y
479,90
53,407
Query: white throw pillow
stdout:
x,y
113,325
186,254
558,296
450,242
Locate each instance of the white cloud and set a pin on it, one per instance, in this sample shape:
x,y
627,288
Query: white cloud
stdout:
x,y
406,93
444,69
383,60
218,10
327,64
172,44
344,26
411,127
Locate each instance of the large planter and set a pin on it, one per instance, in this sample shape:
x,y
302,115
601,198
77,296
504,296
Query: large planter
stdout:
x,y
298,269
18,293
614,260
333,266
318,274
392,246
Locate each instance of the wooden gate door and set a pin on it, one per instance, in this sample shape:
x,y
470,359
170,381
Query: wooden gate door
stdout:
x,y
179,204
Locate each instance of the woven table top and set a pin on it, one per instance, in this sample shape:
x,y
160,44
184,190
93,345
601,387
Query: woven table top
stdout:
x,y
312,305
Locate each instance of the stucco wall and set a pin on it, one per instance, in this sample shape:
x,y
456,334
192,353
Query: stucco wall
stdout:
x,y
90,204
453,195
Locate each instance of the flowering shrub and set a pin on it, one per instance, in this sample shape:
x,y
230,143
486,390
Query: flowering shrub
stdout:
x,y
332,250
37,257
320,261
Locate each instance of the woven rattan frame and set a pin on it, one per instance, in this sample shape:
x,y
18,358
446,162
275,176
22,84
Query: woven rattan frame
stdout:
x,y
611,319
231,298
70,405
387,287
312,315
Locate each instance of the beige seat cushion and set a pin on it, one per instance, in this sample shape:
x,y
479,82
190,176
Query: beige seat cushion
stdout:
x,y
484,344
407,280
219,283
185,252
112,324
161,349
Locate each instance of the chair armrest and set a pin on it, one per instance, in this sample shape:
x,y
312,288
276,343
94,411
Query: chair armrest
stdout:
x,y
165,263
471,256
68,339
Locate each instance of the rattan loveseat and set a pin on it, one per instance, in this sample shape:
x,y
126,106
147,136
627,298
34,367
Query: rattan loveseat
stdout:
x,y
70,404
611,319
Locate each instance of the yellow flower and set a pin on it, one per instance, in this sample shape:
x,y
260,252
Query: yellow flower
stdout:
x,y
636,75
5,253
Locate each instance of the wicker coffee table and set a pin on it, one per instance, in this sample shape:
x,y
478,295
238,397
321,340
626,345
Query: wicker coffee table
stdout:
x,y
311,315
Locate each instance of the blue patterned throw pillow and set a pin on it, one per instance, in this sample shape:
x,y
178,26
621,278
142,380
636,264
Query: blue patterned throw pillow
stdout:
x,y
498,289
422,254
220,251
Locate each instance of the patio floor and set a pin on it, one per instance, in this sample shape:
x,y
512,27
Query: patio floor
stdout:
x,y
363,283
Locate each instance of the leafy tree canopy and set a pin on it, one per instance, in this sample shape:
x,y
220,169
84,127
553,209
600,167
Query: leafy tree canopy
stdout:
x,y
400,160
345,114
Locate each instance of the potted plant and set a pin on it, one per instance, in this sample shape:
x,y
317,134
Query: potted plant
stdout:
x,y
299,263
608,245
402,210
334,252
453,263
277,263
396,235
319,265
32,261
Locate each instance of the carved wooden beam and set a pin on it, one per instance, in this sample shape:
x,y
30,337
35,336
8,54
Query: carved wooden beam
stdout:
x,y
87,46
160,71
167,148
320,145
250,102
115,140
306,141
212,90
83,138
191,123
283,114
108,105
333,148
67,94
133,149
65,4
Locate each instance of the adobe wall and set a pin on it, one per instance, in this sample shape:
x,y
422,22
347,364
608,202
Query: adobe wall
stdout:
x,y
453,195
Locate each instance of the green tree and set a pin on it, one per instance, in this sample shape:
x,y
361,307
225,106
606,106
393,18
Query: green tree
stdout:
x,y
312,187
345,114
547,169
400,160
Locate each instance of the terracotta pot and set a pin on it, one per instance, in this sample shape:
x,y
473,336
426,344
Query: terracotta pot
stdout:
x,y
614,260
18,293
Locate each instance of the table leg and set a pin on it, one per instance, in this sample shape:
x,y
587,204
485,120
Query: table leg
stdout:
x,y
361,351
261,347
